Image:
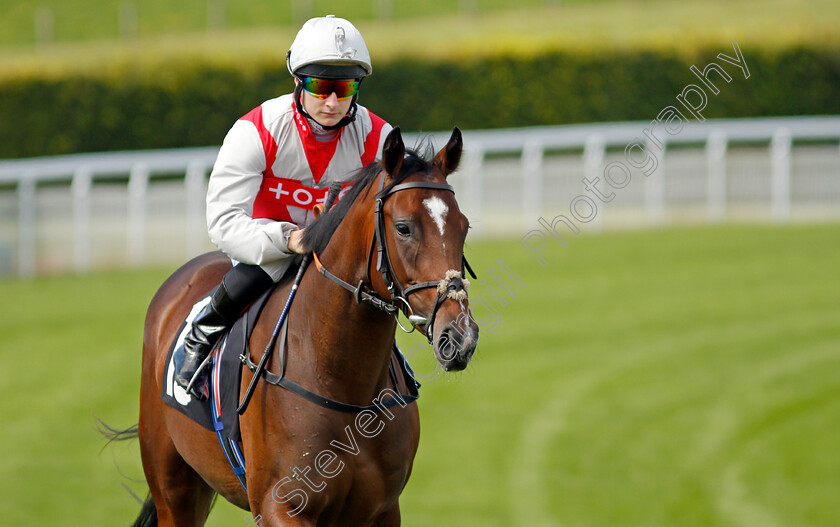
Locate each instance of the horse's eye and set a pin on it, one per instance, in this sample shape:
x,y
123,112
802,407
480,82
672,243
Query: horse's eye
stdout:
x,y
403,229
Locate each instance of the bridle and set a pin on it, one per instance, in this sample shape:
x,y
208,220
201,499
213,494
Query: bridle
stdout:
x,y
453,285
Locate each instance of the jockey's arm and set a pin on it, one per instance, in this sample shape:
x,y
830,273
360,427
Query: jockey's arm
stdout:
x,y
234,183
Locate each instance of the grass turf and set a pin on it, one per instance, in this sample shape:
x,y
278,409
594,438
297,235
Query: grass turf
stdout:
x,y
172,34
81,20
658,378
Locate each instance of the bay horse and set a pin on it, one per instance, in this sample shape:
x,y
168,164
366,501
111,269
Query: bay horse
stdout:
x,y
399,208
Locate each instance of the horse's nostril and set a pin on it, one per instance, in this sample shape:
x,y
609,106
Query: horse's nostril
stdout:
x,y
447,347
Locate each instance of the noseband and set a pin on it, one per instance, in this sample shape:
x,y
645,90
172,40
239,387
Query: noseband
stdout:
x,y
453,285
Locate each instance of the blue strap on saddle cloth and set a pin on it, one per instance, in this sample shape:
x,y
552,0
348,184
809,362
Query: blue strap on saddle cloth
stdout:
x,y
228,399
218,413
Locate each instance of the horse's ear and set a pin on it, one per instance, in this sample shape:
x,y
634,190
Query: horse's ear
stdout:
x,y
448,158
393,152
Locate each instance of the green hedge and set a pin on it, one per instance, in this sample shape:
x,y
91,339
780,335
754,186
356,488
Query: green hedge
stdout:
x,y
177,106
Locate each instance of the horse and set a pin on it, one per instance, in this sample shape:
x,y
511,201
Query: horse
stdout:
x,y
340,340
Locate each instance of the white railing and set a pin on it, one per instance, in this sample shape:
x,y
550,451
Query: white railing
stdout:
x,y
508,180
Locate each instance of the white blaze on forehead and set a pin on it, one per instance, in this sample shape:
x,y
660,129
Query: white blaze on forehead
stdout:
x,y
437,210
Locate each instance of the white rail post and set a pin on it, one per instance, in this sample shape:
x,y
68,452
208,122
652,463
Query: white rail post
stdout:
x,y
472,173
301,10
593,162
716,146
80,187
532,178
128,20
655,188
216,14
383,10
27,262
196,190
44,26
780,170
138,183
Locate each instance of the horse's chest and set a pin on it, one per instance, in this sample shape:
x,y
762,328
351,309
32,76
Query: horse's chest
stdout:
x,y
358,468
368,448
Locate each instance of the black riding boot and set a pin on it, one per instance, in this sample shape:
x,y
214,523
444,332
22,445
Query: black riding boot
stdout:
x,y
240,286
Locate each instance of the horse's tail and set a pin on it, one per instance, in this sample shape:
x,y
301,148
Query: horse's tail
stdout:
x,y
148,514
115,434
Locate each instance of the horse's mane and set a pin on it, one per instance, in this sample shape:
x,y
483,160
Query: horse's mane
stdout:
x,y
317,235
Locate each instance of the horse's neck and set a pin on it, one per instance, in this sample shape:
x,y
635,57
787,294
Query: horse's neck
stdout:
x,y
347,346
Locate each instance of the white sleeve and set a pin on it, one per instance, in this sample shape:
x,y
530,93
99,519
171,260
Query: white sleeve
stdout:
x,y
234,184
383,134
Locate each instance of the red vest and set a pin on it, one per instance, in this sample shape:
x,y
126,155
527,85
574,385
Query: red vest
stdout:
x,y
277,194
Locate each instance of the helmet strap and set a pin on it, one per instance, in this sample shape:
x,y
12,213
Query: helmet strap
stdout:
x,y
347,119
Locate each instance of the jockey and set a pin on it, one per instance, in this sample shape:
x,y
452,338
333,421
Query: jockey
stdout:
x,y
275,164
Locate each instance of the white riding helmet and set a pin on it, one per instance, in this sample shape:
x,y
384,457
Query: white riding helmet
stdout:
x,y
330,48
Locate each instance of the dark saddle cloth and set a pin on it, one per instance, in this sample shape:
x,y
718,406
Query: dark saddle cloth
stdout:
x,y
218,412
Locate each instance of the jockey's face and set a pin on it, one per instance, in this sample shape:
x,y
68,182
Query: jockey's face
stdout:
x,y
326,112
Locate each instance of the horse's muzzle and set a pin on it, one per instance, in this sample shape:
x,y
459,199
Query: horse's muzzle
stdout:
x,y
455,345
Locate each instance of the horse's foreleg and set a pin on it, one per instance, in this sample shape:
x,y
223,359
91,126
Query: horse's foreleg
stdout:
x,y
277,517
268,512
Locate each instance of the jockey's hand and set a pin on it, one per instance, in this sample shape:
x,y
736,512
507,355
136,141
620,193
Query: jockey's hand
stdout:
x,y
295,244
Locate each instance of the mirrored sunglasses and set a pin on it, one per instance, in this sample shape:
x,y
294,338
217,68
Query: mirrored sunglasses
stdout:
x,y
323,88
